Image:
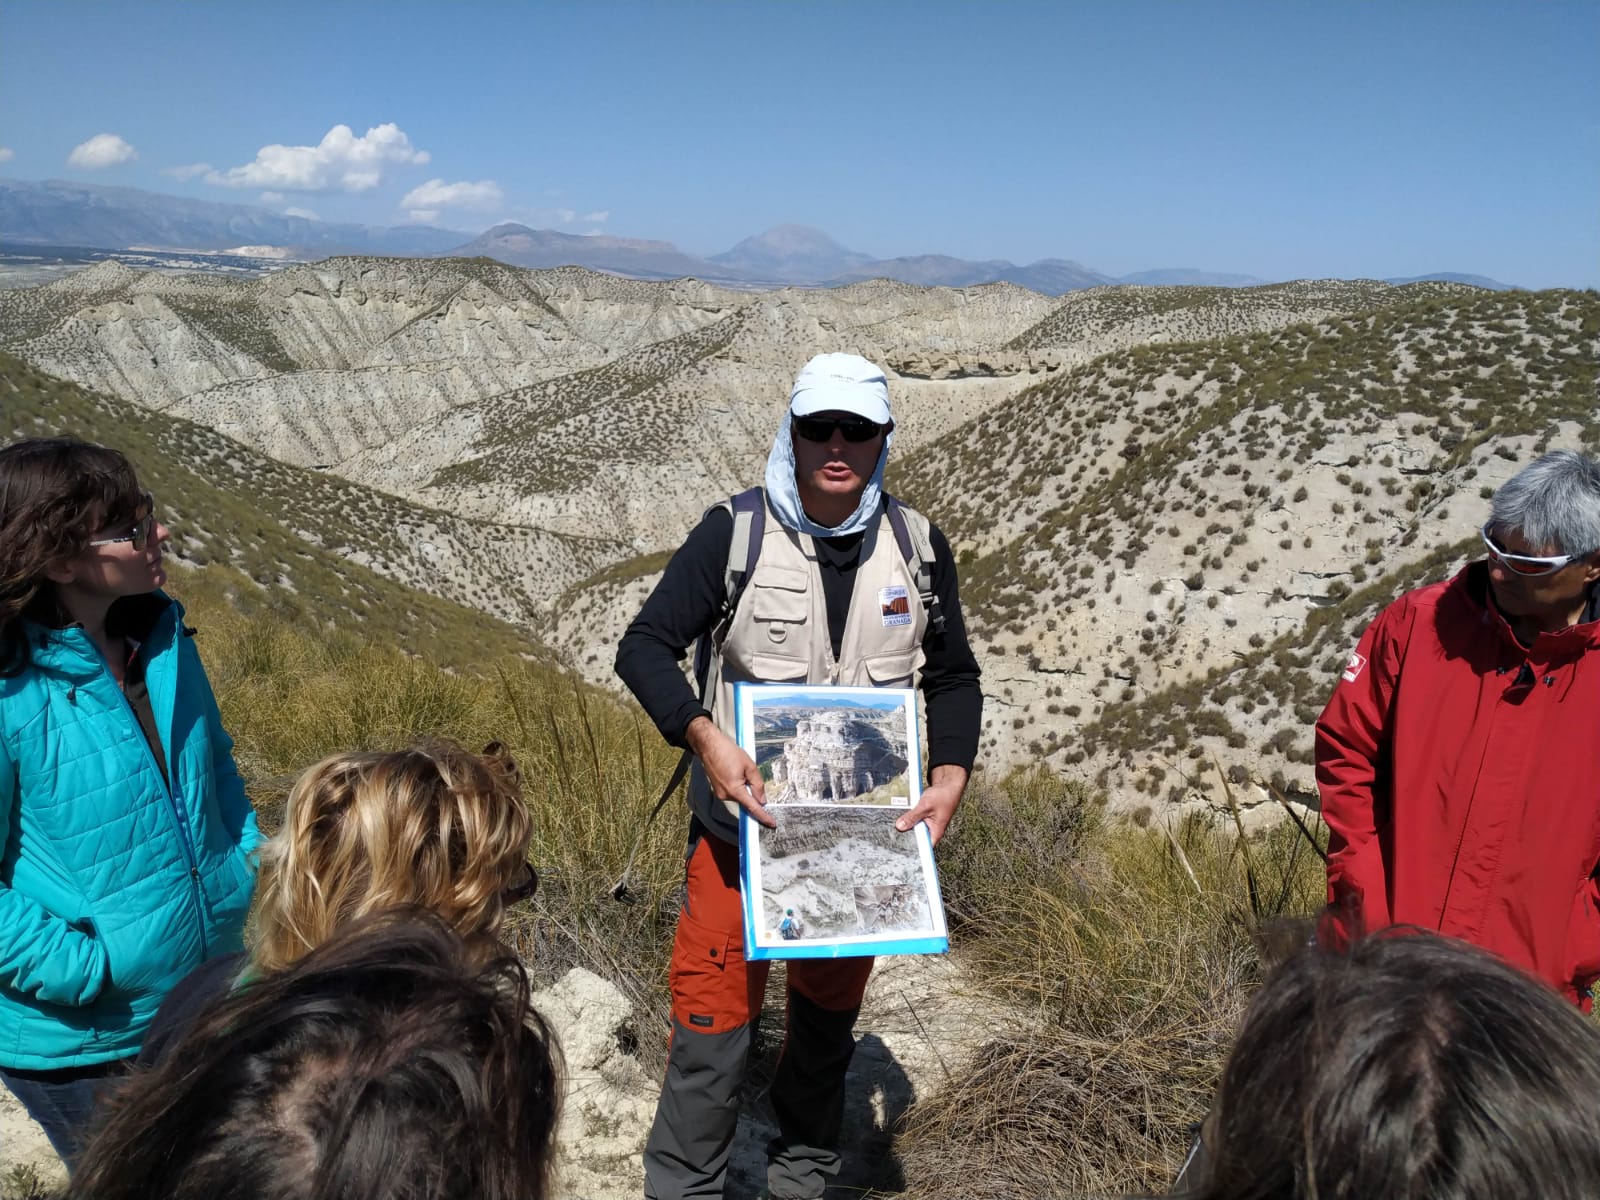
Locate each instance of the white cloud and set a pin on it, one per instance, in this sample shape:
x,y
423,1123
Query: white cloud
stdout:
x,y
188,171
102,150
437,194
340,162
424,216
7,153
273,197
296,211
597,218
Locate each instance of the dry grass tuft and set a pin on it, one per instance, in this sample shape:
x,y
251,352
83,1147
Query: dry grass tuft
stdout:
x,y
291,693
1136,952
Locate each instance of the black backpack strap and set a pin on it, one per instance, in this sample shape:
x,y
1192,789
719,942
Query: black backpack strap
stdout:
x,y
622,889
916,548
749,509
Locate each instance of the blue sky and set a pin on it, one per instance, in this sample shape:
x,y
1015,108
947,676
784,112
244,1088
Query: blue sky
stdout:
x,y
1277,139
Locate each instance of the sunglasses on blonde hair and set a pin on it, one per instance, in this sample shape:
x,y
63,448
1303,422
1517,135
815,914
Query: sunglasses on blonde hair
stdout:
x,y
432,825
522,887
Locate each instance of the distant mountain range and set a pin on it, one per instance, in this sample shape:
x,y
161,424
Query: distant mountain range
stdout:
x,y
1483,281
787,255
791,252
58,213
636,257
1189,277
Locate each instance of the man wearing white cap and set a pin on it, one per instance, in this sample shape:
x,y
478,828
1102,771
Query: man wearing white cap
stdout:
x,y
847,586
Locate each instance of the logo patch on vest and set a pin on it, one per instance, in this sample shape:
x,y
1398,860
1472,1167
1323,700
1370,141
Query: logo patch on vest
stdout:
x,y
895,604
702,1020
1353,667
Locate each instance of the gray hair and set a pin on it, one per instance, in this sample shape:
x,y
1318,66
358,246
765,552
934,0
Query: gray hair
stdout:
x,y
1553,501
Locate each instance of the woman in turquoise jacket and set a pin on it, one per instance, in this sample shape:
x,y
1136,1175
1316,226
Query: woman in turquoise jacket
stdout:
x,y
125,834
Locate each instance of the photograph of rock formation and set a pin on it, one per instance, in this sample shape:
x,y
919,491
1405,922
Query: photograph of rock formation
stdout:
x,y
842,872
854,755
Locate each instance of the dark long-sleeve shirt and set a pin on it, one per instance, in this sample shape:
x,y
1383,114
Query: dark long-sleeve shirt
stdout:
x,y
690,596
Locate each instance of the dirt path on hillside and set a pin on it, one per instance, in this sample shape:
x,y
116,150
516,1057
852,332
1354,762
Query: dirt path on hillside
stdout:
x,y
922,1019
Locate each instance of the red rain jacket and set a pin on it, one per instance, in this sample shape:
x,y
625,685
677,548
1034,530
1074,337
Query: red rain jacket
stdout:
x,y
1460,779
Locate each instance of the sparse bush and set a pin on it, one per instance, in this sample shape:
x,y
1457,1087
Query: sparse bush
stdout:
x,y
1098,1099
291,694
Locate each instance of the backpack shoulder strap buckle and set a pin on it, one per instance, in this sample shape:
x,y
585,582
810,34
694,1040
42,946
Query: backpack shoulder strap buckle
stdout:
x,y
916,548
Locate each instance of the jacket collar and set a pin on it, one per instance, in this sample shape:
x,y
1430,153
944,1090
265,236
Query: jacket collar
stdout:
x,y
1563,644
70,652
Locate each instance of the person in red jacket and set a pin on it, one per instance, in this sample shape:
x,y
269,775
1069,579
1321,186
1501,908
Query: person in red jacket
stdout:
x,y
1458,759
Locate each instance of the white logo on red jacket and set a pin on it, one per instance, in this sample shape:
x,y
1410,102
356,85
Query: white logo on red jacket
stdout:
x,y
1353,667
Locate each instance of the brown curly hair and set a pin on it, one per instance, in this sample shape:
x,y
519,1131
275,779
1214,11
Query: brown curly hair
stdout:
x,y
55,495
432,825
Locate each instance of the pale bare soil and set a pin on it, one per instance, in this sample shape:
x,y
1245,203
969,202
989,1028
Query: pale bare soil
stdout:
x,y
23,1144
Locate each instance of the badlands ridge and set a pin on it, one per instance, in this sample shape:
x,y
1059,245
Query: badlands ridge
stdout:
x,y
1174,507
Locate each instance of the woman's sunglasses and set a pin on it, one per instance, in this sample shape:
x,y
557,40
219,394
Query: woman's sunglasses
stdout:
x,y
522,888
139,532
1525,564
820,429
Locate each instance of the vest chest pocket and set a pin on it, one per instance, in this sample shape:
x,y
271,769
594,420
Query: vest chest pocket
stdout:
x,y
893,669
779,599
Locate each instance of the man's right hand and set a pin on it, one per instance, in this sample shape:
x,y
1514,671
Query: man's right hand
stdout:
x,y
732,774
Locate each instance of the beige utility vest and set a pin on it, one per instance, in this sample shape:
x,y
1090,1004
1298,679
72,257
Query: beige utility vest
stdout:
x,y
779,632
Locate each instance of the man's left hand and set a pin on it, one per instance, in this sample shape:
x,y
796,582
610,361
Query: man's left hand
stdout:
x,y
938,803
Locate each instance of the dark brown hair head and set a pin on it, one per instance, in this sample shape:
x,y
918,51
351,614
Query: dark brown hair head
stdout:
x,y
397,1061
1410,1066
55,495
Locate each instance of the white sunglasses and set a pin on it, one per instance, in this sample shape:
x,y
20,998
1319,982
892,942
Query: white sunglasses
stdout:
x,y
1526,564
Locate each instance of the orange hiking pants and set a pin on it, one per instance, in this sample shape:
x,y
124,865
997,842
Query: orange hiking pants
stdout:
x,y
716,995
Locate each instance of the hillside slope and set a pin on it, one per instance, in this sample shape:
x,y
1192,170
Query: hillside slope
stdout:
x,y
393,373
566,398
334,551
1154,492
1168,552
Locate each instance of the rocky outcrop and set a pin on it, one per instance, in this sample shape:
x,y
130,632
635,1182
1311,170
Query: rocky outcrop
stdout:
x,y
609,1100
837,756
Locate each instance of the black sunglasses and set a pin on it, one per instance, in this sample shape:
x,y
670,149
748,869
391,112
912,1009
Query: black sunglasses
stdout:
x,y
820,429
522,888
139,532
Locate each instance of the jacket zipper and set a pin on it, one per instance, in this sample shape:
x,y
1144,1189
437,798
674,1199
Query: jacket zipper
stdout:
x,y
184,841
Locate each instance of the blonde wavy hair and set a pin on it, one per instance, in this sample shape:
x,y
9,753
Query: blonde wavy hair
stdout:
x,y
432,825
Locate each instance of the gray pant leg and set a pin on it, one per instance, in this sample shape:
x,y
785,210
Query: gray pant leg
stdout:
x,y
808,1098
686,1156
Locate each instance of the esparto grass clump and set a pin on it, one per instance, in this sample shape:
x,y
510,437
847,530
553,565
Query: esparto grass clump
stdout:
x,y
1134,951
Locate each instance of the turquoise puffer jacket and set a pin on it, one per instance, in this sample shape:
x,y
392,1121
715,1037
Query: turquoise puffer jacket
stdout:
x,y
112,885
